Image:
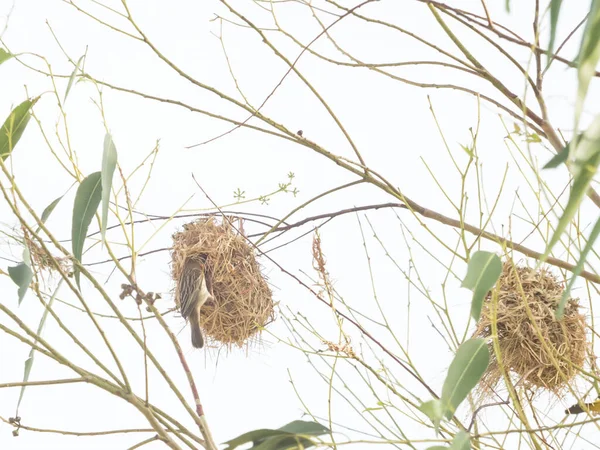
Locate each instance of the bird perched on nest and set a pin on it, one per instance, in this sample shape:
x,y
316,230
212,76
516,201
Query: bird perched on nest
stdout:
x,y
593,407
195,289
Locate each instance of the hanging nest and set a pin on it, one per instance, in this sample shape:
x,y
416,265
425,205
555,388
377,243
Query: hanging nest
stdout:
x,y
544,352
44,261
243,302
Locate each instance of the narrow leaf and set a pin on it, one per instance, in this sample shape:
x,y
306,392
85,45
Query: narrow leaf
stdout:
x,y
578,269
467,368
589,54
109,162
72,77
22,275
304,427
285,437
482,273
251,436
86,204
558,159
461,441
13,127
29,361
4,55
283,442
586,157
554,13
48,210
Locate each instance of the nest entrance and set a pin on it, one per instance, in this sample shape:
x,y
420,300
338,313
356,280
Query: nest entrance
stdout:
x,y
544,352
243,302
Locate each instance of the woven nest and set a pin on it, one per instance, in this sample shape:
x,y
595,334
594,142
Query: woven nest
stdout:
x,y
42,260
243,302
544,353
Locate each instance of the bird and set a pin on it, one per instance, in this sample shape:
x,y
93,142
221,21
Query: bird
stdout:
x,y
195,289
593,407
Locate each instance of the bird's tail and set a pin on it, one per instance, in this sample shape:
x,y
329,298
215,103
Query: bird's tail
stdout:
x,y
575,409
197,338
592,407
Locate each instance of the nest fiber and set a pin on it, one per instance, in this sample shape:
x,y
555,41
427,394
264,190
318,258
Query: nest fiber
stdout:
x,y
243,302
542,351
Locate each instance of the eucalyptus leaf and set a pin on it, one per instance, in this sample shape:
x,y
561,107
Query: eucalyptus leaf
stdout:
x,y
14,126
48,210
433,409
109,163
554,13
21,274
72,77
29,360
86,204
586,157
305,427
558,159
284,442
589,54
465,371
578,269
286,437
482,273
461,441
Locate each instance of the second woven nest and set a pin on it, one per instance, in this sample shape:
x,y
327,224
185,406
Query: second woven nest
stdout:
x,y
243,302
542,351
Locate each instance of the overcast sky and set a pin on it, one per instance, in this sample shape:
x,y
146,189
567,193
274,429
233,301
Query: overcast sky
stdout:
x,y
390,122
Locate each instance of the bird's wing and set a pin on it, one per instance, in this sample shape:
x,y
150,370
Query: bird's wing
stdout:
x,y
204,293
188,283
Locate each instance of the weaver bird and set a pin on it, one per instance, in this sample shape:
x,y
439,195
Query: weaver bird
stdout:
x,y
195,289
593,407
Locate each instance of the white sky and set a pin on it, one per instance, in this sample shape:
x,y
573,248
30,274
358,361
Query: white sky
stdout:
x,y
389,121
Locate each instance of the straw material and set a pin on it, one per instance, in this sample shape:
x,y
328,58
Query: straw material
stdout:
x,y
544,353
243,302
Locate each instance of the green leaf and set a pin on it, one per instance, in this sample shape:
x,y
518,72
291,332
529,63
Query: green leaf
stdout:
x,y
72,77
586,156
589,54
29,360
507,5
467,368
4,55
284,443
438,447
482,273
48,210
13,127
109,162
86,204
461,441
304,427
286,437
554,13
559,158
22,275
578,269
434,409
